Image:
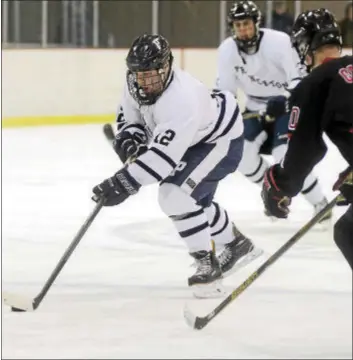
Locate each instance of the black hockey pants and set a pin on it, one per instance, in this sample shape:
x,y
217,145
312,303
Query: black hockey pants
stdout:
x,y
343,234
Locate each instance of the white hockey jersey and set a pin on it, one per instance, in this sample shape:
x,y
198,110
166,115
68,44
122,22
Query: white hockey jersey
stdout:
x,y
271,71
186,114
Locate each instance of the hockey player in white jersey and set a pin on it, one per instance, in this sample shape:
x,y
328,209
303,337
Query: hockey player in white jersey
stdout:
x,y
262,63
187,139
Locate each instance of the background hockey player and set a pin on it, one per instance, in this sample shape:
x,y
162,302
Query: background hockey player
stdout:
x,y
322,103
262,63
187,139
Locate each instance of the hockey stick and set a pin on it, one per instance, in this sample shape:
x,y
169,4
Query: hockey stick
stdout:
x,y
251,115
257,116
20,303
199,323
109,133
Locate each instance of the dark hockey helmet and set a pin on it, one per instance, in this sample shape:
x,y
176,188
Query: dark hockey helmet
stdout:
x,y
242,10
149,63
313,29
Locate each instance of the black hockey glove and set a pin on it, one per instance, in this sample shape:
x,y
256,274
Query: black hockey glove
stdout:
x,y
275,201
276,107
344,184
116,189
129,146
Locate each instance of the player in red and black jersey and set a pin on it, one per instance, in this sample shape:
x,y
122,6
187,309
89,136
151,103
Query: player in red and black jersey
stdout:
x,y
321,103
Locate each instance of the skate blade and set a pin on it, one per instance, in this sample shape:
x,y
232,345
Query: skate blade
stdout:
x,y
213,290
245,260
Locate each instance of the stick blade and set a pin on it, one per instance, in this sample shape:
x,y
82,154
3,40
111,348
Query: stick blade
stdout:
x,y
189,317
109,132
195,322
17,302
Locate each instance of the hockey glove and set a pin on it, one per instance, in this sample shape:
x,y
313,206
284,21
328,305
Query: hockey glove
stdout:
x,y
275,201
344,184
116,189
276,106
129,146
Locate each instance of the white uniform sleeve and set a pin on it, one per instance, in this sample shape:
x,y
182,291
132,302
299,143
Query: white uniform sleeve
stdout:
x,y
128,116
171,139
226,75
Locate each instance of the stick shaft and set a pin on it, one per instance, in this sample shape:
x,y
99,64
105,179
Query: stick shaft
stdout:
x,y
65,257
203,321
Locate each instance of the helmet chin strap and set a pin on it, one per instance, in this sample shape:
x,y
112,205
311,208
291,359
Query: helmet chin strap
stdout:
x,y
251,50
312,65
170,73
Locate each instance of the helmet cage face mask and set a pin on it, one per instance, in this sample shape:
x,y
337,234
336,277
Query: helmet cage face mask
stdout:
x,y
312,30
147,86
149,65
301,43
243,10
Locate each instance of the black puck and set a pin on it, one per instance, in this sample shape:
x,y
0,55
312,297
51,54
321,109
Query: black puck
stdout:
x,y
17,309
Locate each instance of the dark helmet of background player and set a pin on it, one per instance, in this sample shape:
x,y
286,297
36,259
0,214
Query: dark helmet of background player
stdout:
x,y
313,29
242,10
149,63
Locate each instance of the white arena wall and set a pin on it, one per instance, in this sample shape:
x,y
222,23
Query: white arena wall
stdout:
x,y
56,86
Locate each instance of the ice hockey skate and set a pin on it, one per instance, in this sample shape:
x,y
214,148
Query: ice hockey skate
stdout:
x,y
206,282
238,253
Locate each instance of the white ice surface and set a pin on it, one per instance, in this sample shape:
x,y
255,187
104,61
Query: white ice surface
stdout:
x,y
122,292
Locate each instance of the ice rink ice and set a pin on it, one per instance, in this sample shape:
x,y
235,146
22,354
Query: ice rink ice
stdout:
x,y
122,293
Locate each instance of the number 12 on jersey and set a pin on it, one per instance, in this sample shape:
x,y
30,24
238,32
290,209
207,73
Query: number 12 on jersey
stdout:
x,y
165,138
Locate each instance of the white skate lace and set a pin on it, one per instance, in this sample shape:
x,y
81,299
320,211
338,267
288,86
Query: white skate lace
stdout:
x,y
203,265
225,256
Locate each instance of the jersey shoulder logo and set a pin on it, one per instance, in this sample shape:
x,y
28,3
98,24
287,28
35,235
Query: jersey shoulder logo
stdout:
x,y
346,74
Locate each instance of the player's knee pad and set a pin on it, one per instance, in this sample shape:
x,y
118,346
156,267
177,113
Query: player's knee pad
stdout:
x,y
174,201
